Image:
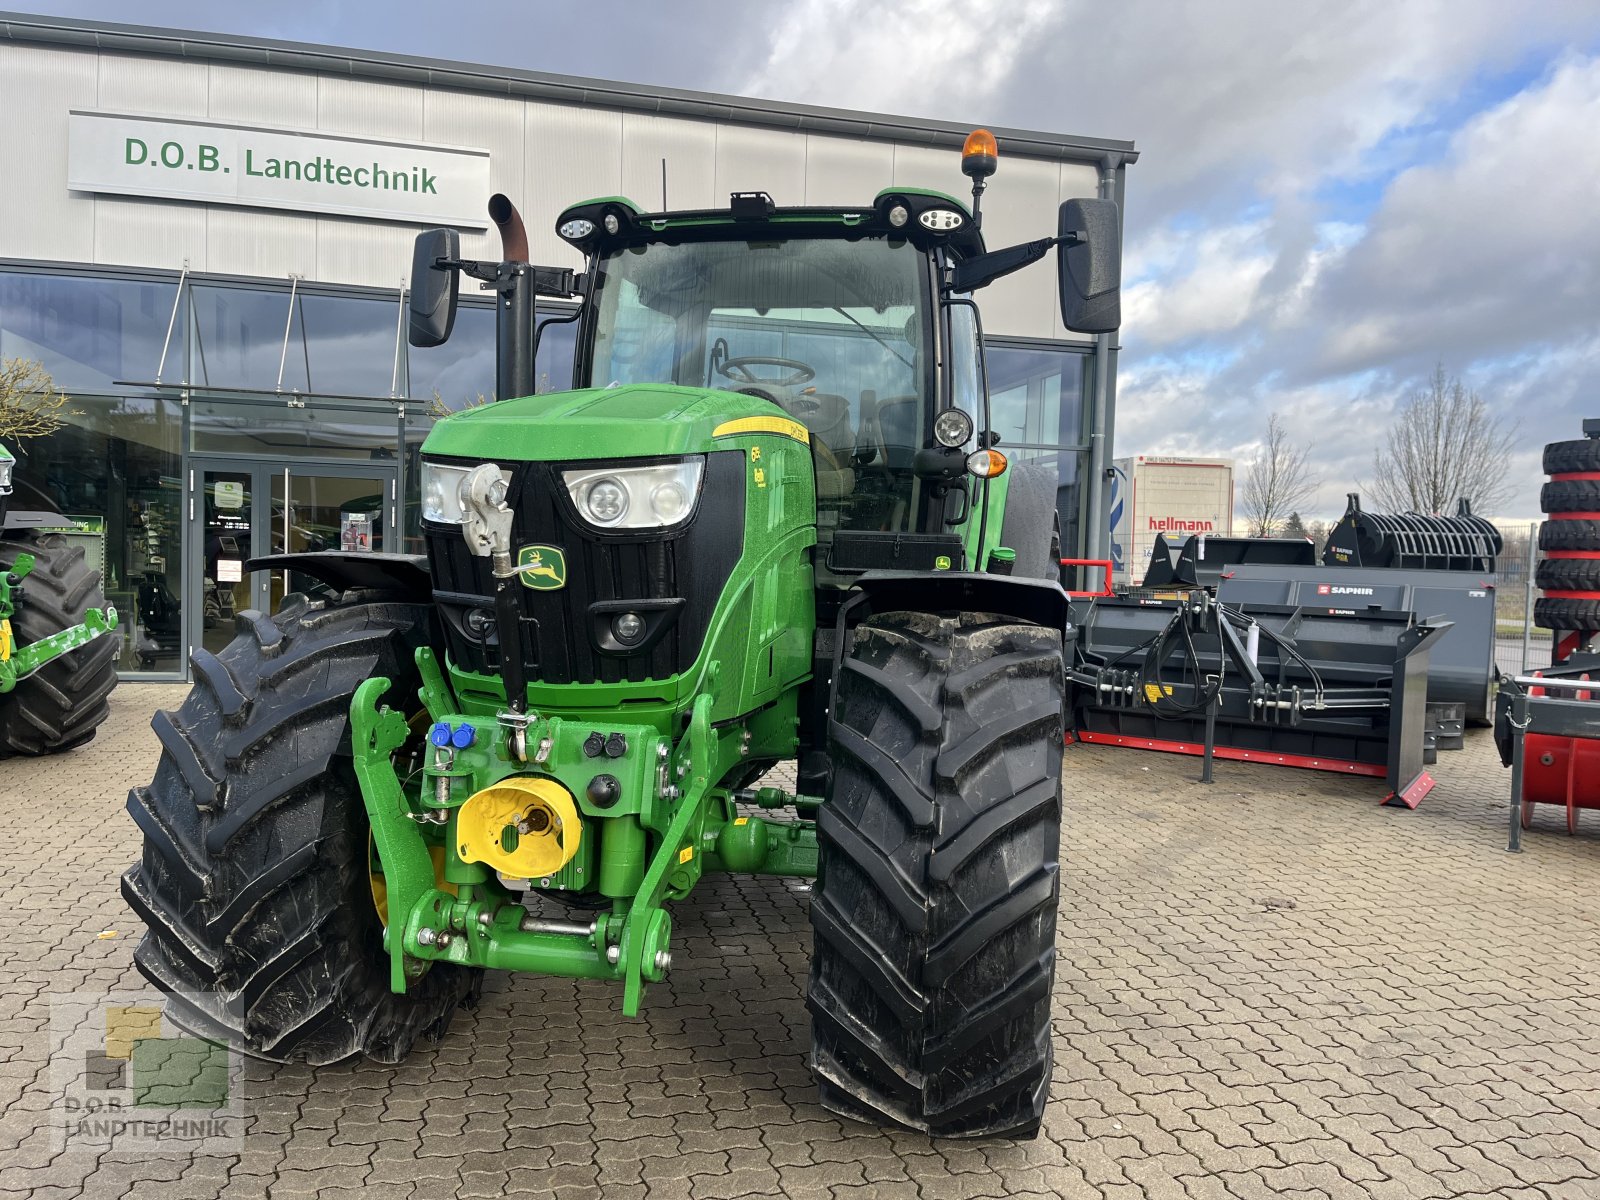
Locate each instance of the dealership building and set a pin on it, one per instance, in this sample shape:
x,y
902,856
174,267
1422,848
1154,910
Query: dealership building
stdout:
x,y
205,239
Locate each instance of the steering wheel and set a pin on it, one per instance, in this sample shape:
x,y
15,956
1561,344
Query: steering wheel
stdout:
x,y
738,370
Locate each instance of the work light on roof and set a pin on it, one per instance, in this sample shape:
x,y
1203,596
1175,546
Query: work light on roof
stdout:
x,y
940,220
898,215
613,222
576,229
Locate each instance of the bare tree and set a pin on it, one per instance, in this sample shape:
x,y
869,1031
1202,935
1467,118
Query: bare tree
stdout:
x,y
1278,482
30,403
1444,445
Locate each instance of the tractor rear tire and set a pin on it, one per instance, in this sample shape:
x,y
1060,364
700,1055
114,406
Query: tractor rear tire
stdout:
x,y
934,912
63,703
1570,495
254,882
1575,533
1570,458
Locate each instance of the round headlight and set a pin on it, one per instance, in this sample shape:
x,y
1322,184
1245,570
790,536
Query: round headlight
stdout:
x,y
605,501
628,627
612,223
576,229
898,215
670,501
952,428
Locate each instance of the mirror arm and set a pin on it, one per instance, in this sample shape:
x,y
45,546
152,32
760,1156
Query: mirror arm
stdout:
x,y
562,282
975,273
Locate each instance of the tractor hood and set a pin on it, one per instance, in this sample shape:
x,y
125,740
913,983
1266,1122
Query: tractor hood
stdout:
x,y
627,421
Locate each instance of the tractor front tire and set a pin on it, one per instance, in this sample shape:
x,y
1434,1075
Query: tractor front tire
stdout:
x,y
934,912
254,883
64,702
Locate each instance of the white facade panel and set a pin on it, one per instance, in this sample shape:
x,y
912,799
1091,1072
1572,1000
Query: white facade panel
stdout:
x,y
370,253
150,233
257,96
257,241
39,218
496,124
760,160
843,170
367,109
167,87
572,154
1020,206
690,150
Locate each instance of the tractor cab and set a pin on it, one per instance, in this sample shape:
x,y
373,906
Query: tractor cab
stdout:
x,y
828,317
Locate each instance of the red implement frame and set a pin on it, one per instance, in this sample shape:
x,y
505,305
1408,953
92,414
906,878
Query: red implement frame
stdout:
x,y
1103,563
1563,771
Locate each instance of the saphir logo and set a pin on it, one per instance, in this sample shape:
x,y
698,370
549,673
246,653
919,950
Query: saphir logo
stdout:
x,y
123,1077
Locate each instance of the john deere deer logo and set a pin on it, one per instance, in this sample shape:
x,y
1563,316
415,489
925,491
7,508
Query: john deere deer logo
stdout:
x,y
543,568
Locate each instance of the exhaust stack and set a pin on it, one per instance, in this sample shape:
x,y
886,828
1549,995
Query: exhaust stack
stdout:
x,y
514,308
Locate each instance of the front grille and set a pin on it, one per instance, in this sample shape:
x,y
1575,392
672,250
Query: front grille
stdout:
x,y
692,563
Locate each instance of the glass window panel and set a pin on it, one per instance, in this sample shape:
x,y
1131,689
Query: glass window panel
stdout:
x,y
350,342
219,426
1036,394
239,335
460,371
117,469
337,345
89,333
553,366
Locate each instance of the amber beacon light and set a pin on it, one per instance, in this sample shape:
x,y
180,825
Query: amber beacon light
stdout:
x,y
980,155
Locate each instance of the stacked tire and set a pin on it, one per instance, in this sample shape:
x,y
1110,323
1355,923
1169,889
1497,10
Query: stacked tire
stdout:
x,y
1569,570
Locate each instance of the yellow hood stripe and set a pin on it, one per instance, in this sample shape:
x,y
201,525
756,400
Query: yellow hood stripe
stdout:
x,y
781,426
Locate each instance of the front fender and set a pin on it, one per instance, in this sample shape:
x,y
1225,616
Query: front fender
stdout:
x,y
1038,601
403,574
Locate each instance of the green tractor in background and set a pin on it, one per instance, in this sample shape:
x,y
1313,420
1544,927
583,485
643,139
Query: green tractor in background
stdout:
x,y
57,662
769,523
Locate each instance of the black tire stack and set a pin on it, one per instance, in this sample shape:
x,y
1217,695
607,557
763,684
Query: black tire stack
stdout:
x,y
1569,572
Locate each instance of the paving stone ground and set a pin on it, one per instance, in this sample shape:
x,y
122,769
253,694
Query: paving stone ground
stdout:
x,y
1269,986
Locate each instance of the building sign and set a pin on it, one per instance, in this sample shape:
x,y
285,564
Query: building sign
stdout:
x,y
210,163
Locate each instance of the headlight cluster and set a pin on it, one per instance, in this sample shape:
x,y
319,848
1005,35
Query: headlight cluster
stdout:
x,y
442,491
952,428
654,497
7,465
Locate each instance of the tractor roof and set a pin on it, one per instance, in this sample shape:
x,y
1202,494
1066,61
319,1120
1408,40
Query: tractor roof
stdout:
x,y
927,218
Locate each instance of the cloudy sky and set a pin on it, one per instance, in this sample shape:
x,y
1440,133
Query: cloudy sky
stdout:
x,y
1331,196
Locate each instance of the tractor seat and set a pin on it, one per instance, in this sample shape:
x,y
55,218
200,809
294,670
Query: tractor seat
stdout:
x,y
833,441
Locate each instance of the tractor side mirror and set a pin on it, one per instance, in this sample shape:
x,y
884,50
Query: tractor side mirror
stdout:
x,y
433,286
1089,264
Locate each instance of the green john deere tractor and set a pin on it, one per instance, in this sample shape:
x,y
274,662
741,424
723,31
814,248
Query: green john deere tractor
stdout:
x,y
57,664
768,523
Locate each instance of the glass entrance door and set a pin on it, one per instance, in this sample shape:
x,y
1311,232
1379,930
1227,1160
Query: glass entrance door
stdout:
x,y
243,510
317,506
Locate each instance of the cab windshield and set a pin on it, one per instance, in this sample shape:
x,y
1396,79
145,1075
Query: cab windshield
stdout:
x,y
834,332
